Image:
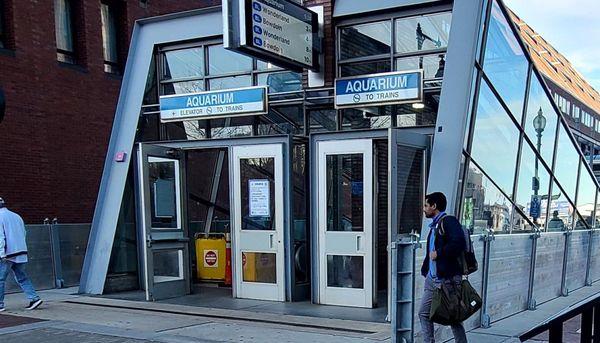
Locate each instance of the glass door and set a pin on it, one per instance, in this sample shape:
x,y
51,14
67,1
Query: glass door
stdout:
x,y
165,252
258,221
345,217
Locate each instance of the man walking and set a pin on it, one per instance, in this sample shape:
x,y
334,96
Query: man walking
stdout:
x,y
13,255
445,243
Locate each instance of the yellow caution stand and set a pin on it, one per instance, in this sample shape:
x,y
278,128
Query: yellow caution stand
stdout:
x,y
210,257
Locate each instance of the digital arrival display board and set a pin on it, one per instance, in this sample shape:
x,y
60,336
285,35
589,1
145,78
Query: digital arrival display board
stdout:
x,y
213,104
379,89
278,31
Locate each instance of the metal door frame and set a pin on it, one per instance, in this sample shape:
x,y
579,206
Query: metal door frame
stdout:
x,y
167,239
314,208
229,143
363,146
417,137
410,139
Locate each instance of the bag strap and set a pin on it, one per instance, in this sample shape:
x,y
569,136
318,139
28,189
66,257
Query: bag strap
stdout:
x,y
441,224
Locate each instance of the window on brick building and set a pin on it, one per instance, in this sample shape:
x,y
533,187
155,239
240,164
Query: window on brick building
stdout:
x,y
63,23
110,38
3,29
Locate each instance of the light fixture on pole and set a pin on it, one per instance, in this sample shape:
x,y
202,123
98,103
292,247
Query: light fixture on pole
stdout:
x,y
539,124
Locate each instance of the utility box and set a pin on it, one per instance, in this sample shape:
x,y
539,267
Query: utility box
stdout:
x,y
210,257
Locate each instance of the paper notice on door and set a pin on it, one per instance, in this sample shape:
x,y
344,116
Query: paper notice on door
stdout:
x,y
258,190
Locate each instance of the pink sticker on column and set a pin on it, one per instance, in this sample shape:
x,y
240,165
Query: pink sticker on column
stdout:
x,y
121,156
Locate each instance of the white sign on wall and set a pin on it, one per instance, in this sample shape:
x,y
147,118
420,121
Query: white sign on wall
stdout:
x,y
259,198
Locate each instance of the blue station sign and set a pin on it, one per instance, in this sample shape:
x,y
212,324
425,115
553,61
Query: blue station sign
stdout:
x,y
213,104
379,89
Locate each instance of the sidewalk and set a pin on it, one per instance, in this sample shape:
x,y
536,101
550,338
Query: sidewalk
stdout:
x,y
67,322
68,318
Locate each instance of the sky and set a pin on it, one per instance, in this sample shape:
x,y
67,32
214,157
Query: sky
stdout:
x,y
571,26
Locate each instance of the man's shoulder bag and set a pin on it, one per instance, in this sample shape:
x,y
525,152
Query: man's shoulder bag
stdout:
x,y
467,259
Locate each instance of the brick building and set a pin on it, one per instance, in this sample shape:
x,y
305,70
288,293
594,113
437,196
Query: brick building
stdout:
x,y
60,108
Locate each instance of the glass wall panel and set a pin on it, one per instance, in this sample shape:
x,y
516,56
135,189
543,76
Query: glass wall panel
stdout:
x,y
366,68
281,82
495,132
520,224
484,206
567,163
230,82
231,127
505,63
354,119
580,223
282,120
222,61
561,210
423,33
365,40
183,87
540,121
183,63
186,130
322,120
533,187
432,65
586,195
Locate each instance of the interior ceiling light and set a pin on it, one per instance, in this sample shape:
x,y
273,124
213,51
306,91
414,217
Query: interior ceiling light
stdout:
x,y
418,105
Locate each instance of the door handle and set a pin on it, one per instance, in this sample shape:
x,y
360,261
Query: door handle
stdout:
x,y
357,243
271,241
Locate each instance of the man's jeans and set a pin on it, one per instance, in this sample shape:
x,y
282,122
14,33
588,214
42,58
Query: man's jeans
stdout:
x,y
426,324
21,278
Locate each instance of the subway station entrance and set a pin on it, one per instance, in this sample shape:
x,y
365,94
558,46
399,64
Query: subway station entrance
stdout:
x,y
309,220
231,188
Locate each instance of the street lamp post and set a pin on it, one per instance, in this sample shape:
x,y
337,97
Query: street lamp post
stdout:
x,y
539,124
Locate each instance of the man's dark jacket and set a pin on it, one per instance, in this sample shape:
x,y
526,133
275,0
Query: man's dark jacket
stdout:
x,y
449,244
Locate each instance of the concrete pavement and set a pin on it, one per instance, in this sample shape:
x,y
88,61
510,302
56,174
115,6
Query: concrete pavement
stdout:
x,y
77,322
66,317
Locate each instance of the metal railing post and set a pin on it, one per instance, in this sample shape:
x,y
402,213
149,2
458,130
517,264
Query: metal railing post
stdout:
x,y
531,305
487,238
564,290
403,288
588,273
55,251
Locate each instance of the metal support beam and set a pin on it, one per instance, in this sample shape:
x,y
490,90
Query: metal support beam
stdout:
x,y
487,238
596,338
556,333
531,305
214,191
587,318
564,291
55,250
404,252
455,101
588,274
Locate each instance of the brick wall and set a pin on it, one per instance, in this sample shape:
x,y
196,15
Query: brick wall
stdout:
x,y
55,134
54,137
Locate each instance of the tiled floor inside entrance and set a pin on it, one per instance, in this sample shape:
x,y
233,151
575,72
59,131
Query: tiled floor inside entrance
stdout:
x,y
217,297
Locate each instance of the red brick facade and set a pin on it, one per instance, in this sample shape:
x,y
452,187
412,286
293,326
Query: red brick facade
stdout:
x,y
54,137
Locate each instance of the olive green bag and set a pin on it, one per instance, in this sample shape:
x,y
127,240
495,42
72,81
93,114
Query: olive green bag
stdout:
x,y
453,303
